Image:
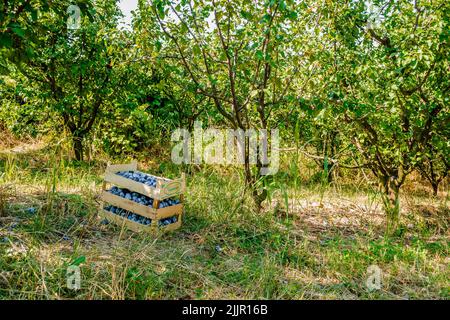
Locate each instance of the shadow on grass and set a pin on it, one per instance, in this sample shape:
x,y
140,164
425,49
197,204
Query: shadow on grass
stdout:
x,y
48,217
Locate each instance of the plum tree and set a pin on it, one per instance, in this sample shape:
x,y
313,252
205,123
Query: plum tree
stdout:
x,y
389,82
234,54
71,70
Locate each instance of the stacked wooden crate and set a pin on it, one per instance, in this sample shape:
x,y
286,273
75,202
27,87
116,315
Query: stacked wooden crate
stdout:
x,y
164,189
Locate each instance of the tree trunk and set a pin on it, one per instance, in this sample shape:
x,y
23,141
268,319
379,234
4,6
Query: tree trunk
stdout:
x,y
329,174
78,147
251,181
435,186
391,202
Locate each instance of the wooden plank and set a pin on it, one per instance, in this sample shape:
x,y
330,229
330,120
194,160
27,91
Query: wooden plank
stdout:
x,y
169,211
122,222
132,166
137,227
129,205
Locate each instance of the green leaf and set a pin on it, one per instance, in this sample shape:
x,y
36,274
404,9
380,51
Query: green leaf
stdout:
x,y
266,18
5,40
259,55
292,15
196,50
246,15
78,261
158,45
19,31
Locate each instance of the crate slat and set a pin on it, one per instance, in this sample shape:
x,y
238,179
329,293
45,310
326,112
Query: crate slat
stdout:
x,y
137,227
122,167
128,205
141,209
169,211
121,222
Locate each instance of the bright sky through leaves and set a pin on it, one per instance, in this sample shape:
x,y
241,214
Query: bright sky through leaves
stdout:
x,y
127,6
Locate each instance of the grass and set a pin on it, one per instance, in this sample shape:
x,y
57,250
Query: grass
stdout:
x,y
310,242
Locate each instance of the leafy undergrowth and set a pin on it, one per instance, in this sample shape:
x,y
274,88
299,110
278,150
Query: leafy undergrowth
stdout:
x,y
307,244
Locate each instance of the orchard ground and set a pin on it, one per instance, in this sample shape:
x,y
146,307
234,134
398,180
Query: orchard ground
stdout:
x,y
312,240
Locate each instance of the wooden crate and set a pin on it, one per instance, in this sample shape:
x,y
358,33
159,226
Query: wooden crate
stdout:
x,y
165,188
